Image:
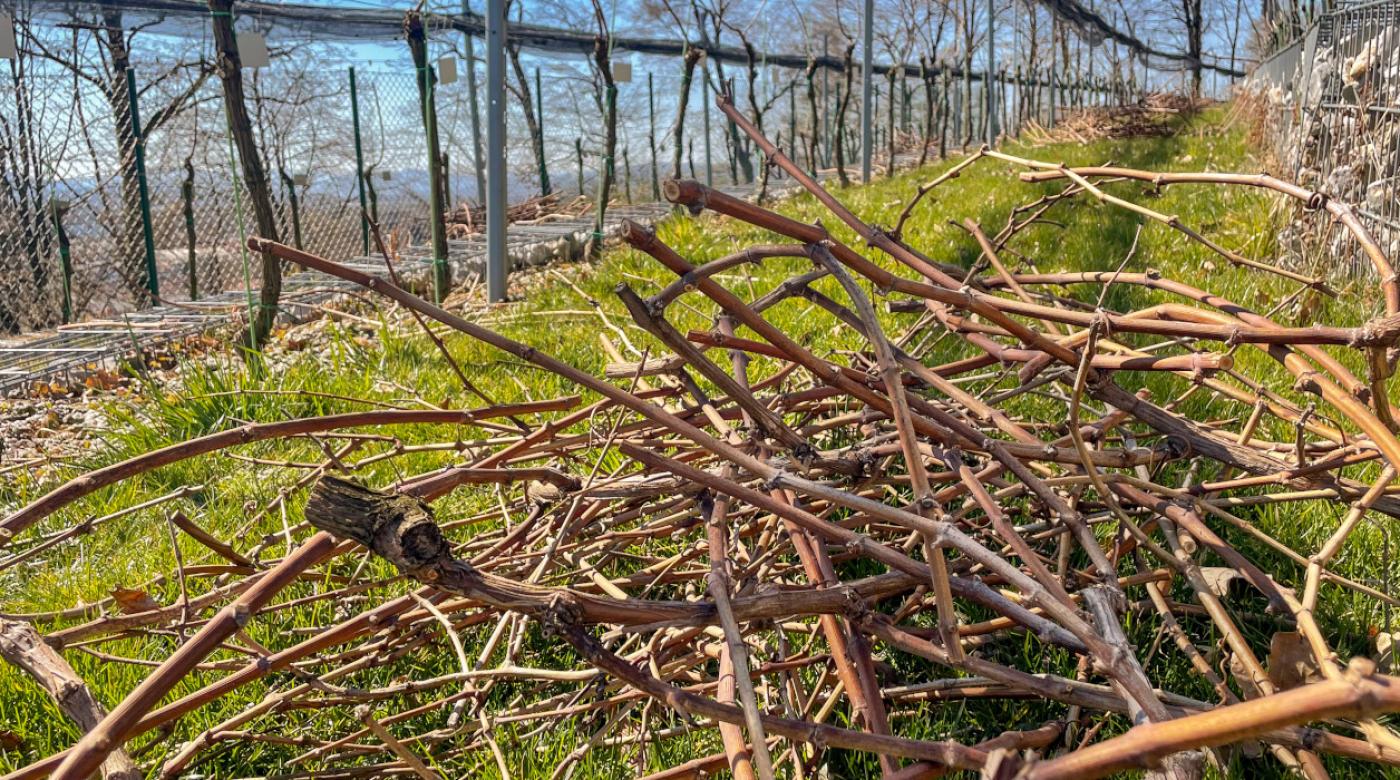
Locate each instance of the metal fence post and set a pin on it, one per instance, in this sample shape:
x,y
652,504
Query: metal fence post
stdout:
x,y
826,102
291,186
539,114
792,122
359,163
867,57
709,162
191,243
143,187
651,119
65,258
496,150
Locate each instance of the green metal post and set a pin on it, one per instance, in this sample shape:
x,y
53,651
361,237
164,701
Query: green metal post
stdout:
x,y
539,113
147,231
294,202
578,152
359,163
709,162
826,103
792,123
65,259
627,174
191,244
651,114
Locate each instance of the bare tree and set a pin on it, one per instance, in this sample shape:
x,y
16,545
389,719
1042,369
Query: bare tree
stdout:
x,y
605,93
254,174
1235,18
967,24
1193,22
929,70
23,218
283,104
842,103
110,70
898,37
533,124
758,109
666,12
711,20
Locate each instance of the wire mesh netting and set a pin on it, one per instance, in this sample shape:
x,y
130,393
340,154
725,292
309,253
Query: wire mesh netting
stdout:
x,y
98,198
1334,99
122,188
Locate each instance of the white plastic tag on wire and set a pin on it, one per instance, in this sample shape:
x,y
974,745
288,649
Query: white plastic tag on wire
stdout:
x,y
9,50
252,50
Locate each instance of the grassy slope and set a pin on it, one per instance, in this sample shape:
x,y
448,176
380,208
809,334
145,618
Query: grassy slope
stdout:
x,y
555,318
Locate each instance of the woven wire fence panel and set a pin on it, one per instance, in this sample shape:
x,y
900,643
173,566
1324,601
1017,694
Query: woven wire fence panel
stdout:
x,y
106,211
396,163
74,238
89,232
302,111
31,278
1333,103
84,228
195,194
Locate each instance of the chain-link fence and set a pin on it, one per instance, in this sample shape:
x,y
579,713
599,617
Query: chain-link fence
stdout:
x,y
1333,99
120,186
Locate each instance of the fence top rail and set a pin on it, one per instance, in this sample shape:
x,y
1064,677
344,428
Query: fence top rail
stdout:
x,y
337,22
1352,6
1294,42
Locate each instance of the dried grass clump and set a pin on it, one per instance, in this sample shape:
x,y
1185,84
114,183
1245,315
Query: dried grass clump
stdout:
x,y
1156,114
469,218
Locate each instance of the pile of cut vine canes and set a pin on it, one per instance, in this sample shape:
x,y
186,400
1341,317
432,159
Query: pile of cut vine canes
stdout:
x,y
779,562
1154,115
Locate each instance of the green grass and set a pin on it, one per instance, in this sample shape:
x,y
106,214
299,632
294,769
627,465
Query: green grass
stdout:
x,y
401,366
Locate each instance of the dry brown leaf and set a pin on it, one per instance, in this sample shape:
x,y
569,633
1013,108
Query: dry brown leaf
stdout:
x,y
1291,662
133,600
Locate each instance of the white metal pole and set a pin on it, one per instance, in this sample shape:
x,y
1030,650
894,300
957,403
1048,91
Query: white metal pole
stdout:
x,y
496,150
